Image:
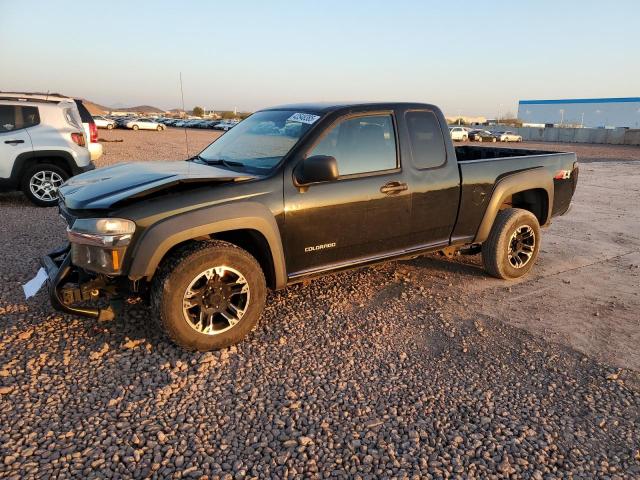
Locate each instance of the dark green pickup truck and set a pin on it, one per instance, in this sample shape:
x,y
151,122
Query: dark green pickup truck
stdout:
x,y
291,193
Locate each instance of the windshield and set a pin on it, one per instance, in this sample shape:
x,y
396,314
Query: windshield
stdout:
x,y
260,141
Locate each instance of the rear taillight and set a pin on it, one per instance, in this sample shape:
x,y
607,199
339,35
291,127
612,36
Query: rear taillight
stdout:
x,y
79,139
93,133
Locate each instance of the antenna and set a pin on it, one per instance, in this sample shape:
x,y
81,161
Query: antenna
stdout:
x,y
186,137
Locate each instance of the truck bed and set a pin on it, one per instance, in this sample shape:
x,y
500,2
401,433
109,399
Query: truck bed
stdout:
x,y
469,153
482,168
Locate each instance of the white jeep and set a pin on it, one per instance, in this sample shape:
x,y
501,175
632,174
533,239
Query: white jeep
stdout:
x,y
42,144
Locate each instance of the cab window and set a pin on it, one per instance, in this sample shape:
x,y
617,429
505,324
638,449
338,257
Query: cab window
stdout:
x,y
362,144
427,142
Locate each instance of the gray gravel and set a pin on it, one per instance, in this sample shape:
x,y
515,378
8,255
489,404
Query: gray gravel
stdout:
x,y
376,373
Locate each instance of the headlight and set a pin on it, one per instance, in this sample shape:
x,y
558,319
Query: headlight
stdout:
x,y
99,244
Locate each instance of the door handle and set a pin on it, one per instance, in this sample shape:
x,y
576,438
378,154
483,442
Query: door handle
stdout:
x,y
392,188
13,142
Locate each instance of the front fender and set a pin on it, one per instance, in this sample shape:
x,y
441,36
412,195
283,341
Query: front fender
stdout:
x,y
158,239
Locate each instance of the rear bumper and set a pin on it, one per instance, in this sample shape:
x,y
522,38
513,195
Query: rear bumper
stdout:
x,y
95,149
60,272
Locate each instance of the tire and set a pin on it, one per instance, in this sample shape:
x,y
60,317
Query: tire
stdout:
x,y
110,126
40,184
185,271
135,127
500,256
159,128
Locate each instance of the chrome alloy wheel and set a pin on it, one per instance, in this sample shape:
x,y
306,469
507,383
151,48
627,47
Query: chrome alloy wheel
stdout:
x,y
216,300
521,246
44,185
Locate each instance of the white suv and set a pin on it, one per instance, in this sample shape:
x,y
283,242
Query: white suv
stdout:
x,y
42,143
459,134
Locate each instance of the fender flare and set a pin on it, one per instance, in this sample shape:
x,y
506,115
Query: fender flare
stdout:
x,y
537,178
158,239
23,159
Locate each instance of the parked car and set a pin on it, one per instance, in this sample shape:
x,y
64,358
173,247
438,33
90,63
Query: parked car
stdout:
x,y
459,134
42,144
145,124
509,137
225,125
91,130
203,255
121,122
104,122
482,136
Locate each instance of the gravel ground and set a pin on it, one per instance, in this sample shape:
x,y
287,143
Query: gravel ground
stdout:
x,y
387,372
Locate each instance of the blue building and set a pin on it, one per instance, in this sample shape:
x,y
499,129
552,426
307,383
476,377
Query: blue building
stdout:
x,y
585,112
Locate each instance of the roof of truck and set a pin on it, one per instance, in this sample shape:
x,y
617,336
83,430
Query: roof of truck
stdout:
x,y
327,107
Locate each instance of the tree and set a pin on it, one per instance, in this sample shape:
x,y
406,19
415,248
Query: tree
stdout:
x,y
198,111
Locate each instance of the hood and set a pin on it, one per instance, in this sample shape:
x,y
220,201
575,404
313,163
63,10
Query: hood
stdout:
x,y
103,188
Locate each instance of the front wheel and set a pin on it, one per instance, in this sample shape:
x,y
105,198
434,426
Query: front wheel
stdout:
x,y
159,128
135,127
208,295
513,244
110,126
41,182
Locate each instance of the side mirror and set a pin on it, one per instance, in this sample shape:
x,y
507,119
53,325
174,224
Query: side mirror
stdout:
x,y
316,169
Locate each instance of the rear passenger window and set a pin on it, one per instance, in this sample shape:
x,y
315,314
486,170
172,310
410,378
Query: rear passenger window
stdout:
x,y
427,142
15,117
361,145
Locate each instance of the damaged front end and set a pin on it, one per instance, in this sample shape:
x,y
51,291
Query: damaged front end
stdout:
x,y
70,286
89,267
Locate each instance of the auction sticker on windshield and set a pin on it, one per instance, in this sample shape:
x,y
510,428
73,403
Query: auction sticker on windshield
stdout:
x,y
303,118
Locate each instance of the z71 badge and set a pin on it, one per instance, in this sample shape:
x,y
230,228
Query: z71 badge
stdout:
x,y
319,247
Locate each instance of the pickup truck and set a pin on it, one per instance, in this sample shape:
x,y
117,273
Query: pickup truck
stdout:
x,y
291,193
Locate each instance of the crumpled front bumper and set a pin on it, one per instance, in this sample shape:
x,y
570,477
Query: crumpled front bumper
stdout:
x,y
61,272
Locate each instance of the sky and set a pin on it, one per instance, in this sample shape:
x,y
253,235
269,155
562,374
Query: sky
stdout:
x,y
469,58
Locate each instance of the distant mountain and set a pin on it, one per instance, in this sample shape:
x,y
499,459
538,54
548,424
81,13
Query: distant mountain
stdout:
x,y
141,108
95,108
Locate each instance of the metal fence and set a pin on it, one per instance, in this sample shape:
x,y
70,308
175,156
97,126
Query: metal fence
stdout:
x,y
618,136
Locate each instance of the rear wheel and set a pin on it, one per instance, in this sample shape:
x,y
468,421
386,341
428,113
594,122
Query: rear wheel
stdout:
x,y
208,295
159,128
41,182
110,126
135,127
513,244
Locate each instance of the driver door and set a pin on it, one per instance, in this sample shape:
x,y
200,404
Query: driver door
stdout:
x,y
366,212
